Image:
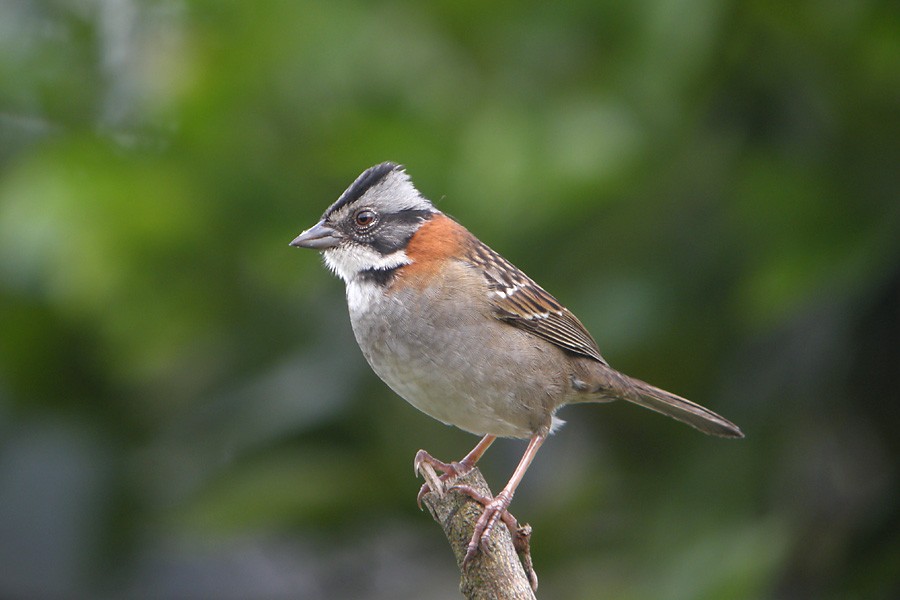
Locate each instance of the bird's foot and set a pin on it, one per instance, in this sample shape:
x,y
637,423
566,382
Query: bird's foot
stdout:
x,y
426,465
494,509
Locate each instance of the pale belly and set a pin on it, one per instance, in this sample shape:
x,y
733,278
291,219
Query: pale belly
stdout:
x,y
456,370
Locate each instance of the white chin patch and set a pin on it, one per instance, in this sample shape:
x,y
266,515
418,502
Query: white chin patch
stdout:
x,y
348,262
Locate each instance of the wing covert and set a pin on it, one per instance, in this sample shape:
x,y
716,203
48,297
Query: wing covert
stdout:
x,y
521,302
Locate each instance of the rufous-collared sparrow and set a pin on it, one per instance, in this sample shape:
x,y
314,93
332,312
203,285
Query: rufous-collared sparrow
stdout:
x,y
462,334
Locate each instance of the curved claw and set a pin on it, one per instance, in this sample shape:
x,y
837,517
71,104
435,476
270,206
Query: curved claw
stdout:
x,y
422,491
448,471
494,509
423,457
451,470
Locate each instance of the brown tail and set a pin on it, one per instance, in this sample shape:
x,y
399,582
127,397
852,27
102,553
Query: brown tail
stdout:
x,y
608,384
680,408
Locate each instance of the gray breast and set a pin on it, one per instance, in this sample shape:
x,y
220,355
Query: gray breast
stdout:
x,y
461,367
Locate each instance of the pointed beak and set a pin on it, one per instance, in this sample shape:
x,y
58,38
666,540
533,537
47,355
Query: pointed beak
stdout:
x,y
318,237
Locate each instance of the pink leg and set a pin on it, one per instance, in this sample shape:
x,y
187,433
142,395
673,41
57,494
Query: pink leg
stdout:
x,y
496,509
451,470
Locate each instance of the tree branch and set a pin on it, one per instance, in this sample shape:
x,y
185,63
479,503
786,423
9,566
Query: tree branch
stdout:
x,y
496,573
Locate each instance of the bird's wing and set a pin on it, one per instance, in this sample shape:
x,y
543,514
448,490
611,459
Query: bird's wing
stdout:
x,y
522,303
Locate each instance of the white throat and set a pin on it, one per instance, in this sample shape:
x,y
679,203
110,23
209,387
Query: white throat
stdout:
x,y
347,262
361,295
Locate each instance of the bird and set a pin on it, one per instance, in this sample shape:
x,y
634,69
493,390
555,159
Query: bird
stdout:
x,y
463,335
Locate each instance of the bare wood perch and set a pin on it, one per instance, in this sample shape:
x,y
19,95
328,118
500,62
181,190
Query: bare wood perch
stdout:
x,y
498,572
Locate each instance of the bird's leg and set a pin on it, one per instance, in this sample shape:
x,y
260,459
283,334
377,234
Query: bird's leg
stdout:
x,y
450,470
495,508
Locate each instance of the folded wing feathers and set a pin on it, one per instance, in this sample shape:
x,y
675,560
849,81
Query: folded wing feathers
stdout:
x,y
521,302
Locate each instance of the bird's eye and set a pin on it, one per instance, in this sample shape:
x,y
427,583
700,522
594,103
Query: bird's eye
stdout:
x,y
365,217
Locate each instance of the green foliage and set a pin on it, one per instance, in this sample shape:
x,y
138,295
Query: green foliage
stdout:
x,y
711,187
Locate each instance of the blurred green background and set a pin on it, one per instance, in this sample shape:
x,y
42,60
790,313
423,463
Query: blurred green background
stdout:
x,y
711,186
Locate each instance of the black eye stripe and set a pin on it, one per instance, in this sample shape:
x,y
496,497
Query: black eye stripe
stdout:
x,y
393,231
409,216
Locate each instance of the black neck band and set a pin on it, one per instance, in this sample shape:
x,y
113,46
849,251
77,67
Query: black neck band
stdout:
x,y
382,277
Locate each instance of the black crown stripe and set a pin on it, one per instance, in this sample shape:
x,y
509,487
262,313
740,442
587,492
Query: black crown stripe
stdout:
x,y
363,183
